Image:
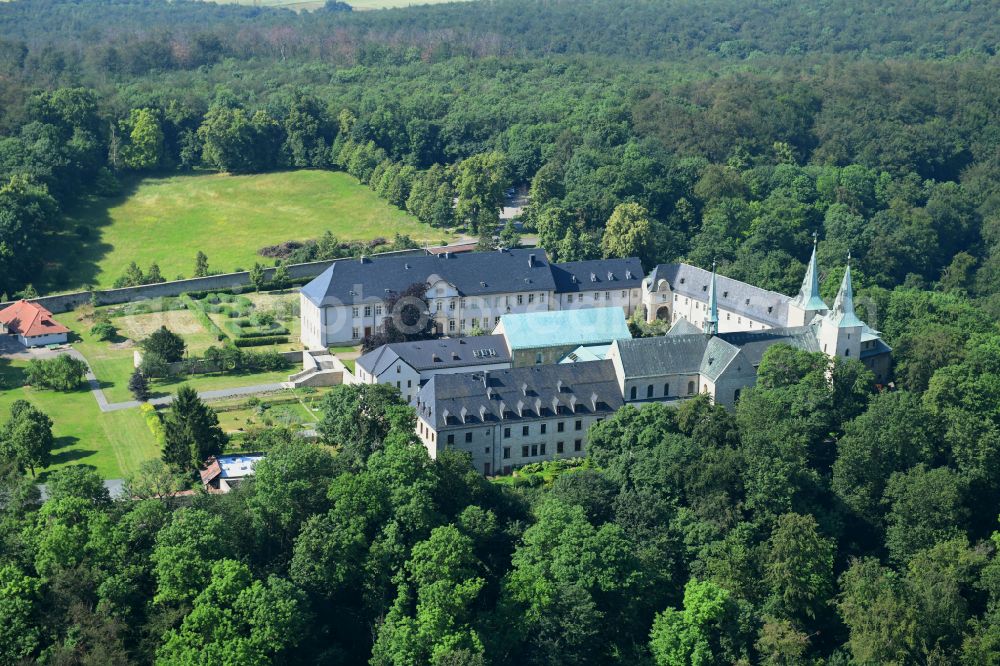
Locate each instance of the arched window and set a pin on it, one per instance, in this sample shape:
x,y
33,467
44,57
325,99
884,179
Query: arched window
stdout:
x,y
649,391
847,352
666,390
690,388
632,393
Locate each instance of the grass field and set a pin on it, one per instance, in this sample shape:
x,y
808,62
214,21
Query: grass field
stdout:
x,y
229,218
114,443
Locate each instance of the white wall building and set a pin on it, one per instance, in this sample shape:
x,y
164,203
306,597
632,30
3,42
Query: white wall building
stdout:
x,y
464,291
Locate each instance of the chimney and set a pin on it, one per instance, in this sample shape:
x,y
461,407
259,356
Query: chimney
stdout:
x,y
531,261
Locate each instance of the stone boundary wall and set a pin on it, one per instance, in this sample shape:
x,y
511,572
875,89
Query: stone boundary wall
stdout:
x,y
65,302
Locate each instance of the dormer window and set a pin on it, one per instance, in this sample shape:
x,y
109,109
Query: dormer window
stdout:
x,y
682,280
747,301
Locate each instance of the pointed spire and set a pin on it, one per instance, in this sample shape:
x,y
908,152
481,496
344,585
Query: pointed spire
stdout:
x,y
842,313
712,320
809,298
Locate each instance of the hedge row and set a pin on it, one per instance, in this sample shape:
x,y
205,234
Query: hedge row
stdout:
x,y
259,342
200,314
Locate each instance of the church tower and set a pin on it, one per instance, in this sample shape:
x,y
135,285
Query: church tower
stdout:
x,y
840,329
803,308
711,324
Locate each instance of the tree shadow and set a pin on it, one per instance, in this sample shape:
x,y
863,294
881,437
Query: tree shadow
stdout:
x,y
64,451
76,242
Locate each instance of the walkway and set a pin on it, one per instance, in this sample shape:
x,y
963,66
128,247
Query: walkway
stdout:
x,y
102,399
216,394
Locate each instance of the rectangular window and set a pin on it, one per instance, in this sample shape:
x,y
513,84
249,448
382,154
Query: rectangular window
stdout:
x,y
451,439
409,383
534,450
520,299
524,451
541,297
597,296
559,447
354,312
463,324
437,306
578,425
468,437
607,295
355,333
368,311
569,298
378,309
531,298
560,427
541,449
496,320
506,452
506,433
578,445
542,428
451,304
525,430
451,325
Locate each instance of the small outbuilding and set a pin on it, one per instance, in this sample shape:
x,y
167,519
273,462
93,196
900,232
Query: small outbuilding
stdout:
x,y
32,324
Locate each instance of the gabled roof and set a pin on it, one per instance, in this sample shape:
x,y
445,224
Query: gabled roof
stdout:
x,y
662,355
717,357
597,274
30,320
683,327
501,396
556,328
425,355
762,305
753,344
352,281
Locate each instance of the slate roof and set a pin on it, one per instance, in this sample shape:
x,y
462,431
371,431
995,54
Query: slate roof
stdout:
x,y
30,320
352,281
663,355
504,396
684,327
597,274
555,328
766,306
717,357
753,344
432,354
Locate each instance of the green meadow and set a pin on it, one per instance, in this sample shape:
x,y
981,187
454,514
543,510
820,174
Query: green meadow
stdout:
x,y
229,218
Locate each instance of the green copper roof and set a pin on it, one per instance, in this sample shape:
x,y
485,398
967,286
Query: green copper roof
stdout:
x,y
588,326
712,320
842,313
809,298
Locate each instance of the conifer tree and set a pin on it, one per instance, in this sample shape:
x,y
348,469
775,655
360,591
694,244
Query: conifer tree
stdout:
x,y
192,431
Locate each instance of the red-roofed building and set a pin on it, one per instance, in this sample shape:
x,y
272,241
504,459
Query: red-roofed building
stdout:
x,y
32,324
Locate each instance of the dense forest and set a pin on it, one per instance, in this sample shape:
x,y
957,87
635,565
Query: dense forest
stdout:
x,y
818,524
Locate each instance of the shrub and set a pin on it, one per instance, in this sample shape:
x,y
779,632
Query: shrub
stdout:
x,y
259,342
62,373
267,361
104,330
154,423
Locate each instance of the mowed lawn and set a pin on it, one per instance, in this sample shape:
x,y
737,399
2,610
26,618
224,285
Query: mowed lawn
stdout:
x,y
229,218
113,443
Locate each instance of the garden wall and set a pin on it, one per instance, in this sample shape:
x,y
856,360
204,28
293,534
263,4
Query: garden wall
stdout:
x,y
65,302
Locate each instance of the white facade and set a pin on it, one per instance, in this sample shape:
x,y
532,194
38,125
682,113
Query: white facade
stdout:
x,y
42,340
503,447
409,380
